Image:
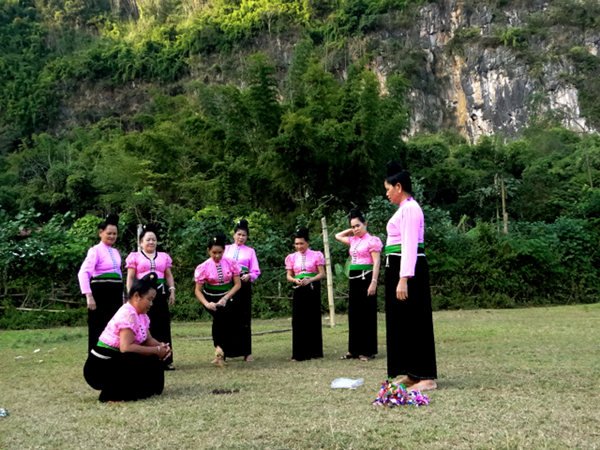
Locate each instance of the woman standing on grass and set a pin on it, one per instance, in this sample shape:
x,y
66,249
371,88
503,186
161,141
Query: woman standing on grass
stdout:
x,y
365,252
127,362
305,269
241,308
149,260
409,321
100,279
217,281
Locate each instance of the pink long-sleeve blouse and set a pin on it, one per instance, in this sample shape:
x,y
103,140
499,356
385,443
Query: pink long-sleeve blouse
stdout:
x,y
361,248
143,264
100,259
246,257
306,262
126,317
407,227
212,273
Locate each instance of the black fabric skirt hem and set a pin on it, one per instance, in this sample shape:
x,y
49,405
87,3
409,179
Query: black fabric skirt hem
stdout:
x,y
123,376
307,332
240,331
409,323
221,320
108,295
160,320
362,315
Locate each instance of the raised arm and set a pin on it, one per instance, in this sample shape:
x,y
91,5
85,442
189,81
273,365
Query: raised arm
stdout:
x,y
344,236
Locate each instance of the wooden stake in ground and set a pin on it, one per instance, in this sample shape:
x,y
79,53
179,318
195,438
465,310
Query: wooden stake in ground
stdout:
x,y
329,274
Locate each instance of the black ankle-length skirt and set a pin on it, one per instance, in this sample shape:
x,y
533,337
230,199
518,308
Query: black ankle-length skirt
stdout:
x,y
409,323
108,294
221,325
362,315
123,376
240,332
160,320
307,332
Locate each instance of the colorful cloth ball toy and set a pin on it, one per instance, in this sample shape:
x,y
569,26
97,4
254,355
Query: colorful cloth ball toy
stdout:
x,y
393,394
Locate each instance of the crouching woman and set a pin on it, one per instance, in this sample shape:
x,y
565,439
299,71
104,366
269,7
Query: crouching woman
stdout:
x,y
126,348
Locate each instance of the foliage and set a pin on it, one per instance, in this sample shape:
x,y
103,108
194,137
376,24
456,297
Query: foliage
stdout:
x,y
587,81
463,36
282,147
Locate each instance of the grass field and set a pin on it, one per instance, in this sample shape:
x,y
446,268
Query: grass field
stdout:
x,y
508,379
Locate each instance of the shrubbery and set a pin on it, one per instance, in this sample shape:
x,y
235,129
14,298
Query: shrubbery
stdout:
x,y
537,264
195,157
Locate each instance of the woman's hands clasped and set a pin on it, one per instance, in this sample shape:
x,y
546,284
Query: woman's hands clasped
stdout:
x,y
213,305
163,351
303,281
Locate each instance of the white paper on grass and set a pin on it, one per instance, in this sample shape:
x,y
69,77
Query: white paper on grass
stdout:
x,y
346,383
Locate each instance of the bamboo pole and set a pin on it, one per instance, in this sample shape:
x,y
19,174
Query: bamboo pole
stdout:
x,y
329,274
504,213
139,233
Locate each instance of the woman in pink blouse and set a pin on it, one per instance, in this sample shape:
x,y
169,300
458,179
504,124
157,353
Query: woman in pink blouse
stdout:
x,y
100,279
305,269
409,321
365,253
241,308
217,281
148,260
126,363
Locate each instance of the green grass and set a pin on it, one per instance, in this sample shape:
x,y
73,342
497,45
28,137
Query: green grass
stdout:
x,y
508,379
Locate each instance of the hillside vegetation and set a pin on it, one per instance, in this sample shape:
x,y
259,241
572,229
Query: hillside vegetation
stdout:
x,y
194,114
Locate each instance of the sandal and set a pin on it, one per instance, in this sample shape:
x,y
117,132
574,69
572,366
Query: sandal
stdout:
x,y
348,356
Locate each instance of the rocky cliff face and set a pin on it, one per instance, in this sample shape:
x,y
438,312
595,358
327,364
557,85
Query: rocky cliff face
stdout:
x,y
486,86
475,72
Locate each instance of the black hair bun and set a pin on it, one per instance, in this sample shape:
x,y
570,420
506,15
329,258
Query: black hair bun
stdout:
x,y
218,239
151,279
302,233
112,219
355,214
150,227
393,168
241,224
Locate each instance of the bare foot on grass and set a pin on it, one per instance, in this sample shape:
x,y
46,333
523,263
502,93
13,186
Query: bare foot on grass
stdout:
x,y
423,385
249,358
219,362
407,381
